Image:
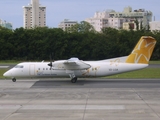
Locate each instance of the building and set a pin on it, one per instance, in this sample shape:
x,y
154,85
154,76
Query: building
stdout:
x,y
106,19
6,24
111,18
129,26
34,15
66,24
155,25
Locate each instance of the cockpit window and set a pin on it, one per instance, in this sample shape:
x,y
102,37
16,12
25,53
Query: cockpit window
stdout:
x,y
18,66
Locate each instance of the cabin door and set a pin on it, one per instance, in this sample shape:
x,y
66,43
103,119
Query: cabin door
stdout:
x,y
32,70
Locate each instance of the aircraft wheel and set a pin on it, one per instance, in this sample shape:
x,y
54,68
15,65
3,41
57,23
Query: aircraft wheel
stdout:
x,y
74,80
14,79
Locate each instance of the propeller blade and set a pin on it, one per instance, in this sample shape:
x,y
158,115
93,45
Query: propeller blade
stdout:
x,y
50,64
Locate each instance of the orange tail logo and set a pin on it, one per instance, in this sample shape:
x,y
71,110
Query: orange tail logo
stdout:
x,y
142,51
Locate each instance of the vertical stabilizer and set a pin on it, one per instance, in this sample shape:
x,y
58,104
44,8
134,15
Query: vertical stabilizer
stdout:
x,y
142,51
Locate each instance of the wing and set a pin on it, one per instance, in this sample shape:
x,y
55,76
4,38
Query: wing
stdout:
x,y
75,64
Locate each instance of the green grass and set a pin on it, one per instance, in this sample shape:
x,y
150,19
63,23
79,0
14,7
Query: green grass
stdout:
x,y
154,62
13,62
2,71
144,73
9,61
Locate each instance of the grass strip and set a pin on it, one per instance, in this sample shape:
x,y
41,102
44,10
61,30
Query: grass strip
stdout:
x,y
2,71
154,62
144,73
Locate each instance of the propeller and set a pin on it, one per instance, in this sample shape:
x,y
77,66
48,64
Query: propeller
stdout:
x,y
50,64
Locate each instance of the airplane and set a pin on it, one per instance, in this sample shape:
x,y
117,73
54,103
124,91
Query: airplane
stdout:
x,y
75,68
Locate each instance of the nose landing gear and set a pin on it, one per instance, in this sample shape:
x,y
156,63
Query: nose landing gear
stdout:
x,y
14,79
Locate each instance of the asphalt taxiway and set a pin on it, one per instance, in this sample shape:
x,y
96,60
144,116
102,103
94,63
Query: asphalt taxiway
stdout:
x,y
88,99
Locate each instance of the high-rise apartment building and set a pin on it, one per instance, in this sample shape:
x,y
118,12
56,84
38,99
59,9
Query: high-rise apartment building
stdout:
x,y
34,15
111,18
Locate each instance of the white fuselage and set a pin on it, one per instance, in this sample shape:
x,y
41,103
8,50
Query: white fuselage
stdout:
x,y
97,69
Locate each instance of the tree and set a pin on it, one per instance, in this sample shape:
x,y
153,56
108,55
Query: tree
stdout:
x,y
83,26
141,25
38,43
137,24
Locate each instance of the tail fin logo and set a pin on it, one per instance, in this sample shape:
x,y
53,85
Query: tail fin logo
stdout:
x,y
142,51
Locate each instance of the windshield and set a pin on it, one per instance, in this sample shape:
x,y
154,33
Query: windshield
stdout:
x,y
18,66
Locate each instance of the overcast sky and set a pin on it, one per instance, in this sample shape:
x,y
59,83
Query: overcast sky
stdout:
x,y
78,10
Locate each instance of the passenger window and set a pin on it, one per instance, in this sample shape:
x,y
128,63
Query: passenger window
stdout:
x,y
39,69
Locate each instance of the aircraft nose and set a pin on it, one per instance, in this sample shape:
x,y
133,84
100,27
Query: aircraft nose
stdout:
x,y
7,74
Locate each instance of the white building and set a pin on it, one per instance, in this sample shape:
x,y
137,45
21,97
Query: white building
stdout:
x,y
129,26
6,24
113,19
34,15
66,24
155,25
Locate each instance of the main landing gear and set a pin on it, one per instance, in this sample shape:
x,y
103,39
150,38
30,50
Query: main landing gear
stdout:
x,y
14,79
74,80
